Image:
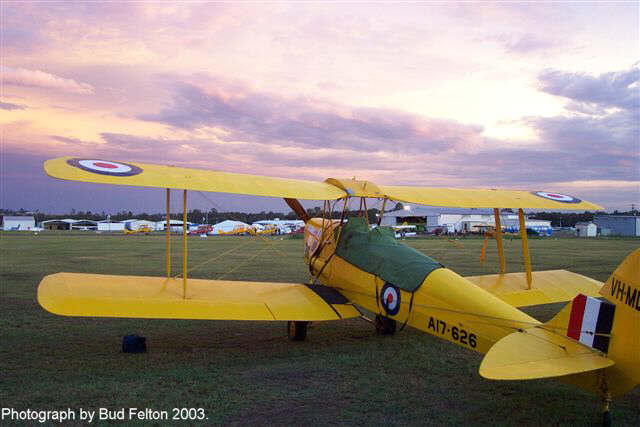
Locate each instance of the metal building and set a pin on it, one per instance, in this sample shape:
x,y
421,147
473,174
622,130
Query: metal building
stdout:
x,y
58,224
462,220
447,219
20,223
175,224
70,224
618,225
586,229
108,225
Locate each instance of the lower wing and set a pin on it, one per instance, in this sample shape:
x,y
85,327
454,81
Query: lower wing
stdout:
x,y
95,295
546,287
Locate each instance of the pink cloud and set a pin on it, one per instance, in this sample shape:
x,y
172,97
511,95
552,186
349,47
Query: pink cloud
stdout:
x,y
41,79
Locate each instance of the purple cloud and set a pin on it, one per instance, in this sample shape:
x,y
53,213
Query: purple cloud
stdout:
x,y
301,122
302,134
600,137
486,167
614,133
615,89
9,106
310,139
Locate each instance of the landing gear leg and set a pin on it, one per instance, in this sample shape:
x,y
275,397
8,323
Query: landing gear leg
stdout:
x,y
605,396
384,325
606,413
297,331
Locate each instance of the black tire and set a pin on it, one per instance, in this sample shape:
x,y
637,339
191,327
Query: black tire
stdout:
x,y
385,325
297,331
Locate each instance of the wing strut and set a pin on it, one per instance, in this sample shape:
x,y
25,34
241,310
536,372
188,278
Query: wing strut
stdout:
x,y
184,245
184,240
295,205
498,235
384,204
525,247
168,228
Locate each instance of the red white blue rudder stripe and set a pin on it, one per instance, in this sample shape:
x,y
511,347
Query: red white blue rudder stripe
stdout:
x,y
591,321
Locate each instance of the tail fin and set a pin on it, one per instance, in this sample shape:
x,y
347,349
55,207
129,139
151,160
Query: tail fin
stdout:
x,y
623,290
559,347
611,326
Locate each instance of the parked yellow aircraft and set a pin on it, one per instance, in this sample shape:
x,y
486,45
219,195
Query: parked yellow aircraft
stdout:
x,y
592,343
235,232
142,229
267,231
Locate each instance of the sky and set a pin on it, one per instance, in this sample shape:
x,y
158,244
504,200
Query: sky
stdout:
x,y
515,95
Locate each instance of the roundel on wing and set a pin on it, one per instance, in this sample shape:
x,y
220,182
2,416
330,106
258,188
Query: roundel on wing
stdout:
x,y
556,197
105,167
390,299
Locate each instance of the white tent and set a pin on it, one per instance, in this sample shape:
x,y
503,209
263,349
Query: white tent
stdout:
x,y
229,226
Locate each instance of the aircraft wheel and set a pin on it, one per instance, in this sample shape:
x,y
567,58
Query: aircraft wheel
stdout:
x,y
384,325
297,331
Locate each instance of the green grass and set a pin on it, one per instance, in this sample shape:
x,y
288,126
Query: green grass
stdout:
x,y
248,372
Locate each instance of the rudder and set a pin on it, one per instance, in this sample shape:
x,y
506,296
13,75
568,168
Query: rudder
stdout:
x,y
611,326
623,290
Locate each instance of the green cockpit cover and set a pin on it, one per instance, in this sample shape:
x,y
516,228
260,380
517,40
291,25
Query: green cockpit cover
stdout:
x,y
377,252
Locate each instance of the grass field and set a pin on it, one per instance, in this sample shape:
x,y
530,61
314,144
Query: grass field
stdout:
x,y
248,372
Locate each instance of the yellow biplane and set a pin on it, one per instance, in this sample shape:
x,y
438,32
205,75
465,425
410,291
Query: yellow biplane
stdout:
x,y
145,229
592,343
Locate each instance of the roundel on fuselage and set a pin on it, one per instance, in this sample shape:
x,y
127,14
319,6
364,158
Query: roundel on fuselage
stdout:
x,y
390,299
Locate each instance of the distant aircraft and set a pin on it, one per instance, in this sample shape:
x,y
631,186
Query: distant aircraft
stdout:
x,y
591,343
142,229
202,230
404,230
262,230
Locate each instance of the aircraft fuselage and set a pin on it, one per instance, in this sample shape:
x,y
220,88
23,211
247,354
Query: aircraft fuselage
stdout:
x,y
445,304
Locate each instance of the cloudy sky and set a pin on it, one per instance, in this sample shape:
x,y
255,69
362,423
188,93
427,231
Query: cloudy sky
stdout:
x,y
538,96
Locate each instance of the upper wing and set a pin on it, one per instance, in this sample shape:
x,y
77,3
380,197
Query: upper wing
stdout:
x,y
148,175
546,287
95,295
478,198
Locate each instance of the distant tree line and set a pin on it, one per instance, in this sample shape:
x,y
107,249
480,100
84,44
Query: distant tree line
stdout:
x,y
564,219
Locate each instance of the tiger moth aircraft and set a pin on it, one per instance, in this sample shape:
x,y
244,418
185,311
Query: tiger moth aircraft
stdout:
x,y
592,343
